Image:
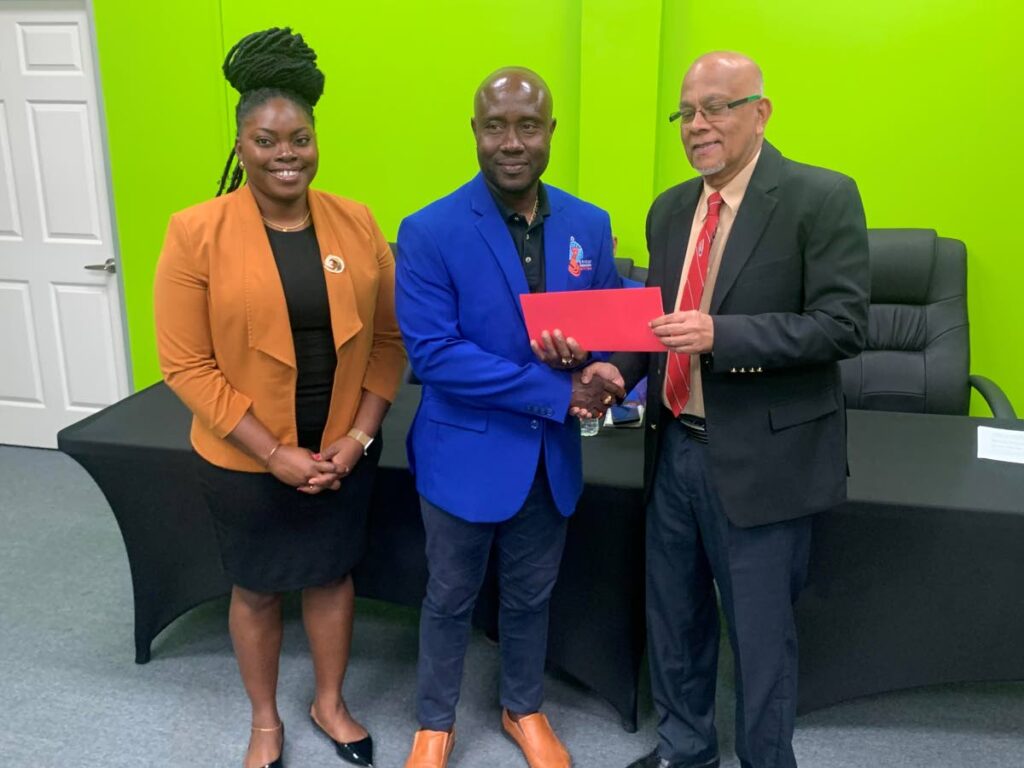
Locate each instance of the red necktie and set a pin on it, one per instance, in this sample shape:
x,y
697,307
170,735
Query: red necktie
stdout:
x,y
677,384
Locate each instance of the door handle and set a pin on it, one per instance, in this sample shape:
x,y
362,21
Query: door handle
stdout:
x,y
106,266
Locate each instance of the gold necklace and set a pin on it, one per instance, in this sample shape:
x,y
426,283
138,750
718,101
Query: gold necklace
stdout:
x,y
533,213
282,228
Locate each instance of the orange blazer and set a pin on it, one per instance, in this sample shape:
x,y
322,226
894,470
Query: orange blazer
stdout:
x,y
223,335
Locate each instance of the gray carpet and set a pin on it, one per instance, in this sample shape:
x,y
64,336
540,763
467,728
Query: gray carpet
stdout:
x,y
70,693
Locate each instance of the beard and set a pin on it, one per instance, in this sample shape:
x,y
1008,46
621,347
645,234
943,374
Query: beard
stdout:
x,y
710,170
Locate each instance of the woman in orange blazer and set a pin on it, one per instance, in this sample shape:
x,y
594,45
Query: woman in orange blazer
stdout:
x,y
276,327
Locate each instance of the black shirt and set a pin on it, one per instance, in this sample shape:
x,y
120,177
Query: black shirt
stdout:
x,y
528,238
305,291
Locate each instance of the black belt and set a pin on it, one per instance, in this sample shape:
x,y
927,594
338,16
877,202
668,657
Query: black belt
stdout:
x,y
695,426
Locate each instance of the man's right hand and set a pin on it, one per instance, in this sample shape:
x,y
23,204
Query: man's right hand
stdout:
x,y
594,389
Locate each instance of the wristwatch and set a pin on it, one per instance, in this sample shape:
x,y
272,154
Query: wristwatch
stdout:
x,y
362,438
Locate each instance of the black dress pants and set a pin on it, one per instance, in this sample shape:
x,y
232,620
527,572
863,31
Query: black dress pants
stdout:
x,y
691,546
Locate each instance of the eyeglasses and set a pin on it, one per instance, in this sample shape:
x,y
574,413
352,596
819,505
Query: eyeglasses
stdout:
x,y
712,112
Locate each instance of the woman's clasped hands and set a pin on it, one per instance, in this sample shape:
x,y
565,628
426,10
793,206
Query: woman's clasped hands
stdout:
x,y
313,473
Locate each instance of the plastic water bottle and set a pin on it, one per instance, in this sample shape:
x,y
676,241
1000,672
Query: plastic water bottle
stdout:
x,y
590,427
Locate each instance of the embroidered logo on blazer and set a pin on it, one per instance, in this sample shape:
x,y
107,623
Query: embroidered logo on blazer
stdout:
x,y
577,262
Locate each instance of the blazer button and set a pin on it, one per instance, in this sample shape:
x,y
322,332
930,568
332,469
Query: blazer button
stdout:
x,y
653,425
732,370
534,424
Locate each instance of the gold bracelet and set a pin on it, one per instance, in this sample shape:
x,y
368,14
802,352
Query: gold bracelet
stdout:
x,y
266,462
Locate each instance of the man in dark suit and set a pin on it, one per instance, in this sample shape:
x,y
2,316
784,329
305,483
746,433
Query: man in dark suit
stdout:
x,y
495,454
763,266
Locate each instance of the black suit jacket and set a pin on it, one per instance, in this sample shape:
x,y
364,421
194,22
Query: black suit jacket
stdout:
x,y
790,301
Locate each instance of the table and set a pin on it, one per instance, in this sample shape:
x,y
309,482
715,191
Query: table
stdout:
x,y
919,578
916,580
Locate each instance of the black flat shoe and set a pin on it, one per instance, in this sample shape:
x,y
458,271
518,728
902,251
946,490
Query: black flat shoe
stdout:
x,y
353,752
356,752
279,763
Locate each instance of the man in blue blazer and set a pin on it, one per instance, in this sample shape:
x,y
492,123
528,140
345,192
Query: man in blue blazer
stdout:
x,y
494,450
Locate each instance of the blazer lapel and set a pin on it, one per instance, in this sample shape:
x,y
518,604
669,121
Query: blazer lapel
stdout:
x,y
678,240
556,247
265,306
754,214
495,232
341,295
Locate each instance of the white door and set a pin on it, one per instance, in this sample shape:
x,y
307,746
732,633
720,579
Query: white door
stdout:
x,y
62,349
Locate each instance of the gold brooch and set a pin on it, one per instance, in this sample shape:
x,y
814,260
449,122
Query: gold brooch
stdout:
x,y
334,264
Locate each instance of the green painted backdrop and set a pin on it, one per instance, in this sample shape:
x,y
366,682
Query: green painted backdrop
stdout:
x,y
917,100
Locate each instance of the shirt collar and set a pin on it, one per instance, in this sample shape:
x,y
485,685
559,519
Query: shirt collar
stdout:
x,y
543,206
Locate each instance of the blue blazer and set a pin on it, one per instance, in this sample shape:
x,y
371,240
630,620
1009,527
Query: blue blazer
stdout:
x,y
488,405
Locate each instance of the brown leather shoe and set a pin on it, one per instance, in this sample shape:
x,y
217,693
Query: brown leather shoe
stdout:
x,y
430,749
540,746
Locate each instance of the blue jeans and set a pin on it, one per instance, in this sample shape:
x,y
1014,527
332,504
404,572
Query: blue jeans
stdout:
x,y
529,547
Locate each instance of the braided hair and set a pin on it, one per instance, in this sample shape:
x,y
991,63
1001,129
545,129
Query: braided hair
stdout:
x,y
266,65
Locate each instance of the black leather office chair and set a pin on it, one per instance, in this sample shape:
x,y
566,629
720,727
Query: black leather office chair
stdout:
x,y
918,355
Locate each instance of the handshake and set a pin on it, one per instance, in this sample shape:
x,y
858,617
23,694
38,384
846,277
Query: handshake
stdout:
x,y
594,388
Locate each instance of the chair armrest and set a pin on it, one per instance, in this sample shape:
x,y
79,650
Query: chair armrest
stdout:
x,y
997,400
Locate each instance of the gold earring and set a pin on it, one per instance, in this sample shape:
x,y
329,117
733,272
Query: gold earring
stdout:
x,y
241,164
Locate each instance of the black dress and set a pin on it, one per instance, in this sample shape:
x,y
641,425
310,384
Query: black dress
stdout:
x,y
272,537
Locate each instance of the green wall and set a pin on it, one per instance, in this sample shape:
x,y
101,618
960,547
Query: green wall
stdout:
x,y
874,89
166,133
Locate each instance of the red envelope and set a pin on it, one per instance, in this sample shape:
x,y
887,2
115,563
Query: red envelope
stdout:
x,y
609,320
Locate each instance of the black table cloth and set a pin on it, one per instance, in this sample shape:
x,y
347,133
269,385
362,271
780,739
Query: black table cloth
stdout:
x,y
916,580
919,578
